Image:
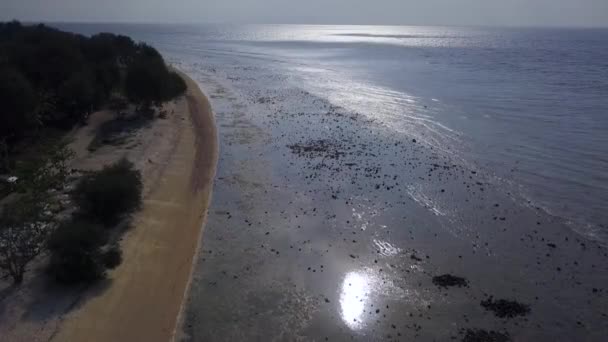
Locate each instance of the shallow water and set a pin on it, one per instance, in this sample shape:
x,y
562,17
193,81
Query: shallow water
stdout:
x,y
529,106
358,162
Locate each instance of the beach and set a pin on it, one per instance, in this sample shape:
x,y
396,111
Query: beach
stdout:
x,y
374,183
142,298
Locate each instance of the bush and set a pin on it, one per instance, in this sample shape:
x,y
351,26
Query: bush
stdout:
x,y
112,257
109,194
23,231
76,252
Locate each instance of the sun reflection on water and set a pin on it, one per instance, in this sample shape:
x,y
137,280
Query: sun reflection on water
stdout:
x,y
353,297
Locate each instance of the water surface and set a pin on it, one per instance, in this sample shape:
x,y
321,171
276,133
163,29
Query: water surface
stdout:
x,y
357,163
529,106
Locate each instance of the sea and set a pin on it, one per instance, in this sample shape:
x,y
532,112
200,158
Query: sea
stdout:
x,y
527,107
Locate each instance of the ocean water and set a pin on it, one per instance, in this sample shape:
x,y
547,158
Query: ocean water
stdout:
x,y
528,108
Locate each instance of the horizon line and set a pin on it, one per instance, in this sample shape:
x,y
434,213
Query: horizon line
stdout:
x,y
146,22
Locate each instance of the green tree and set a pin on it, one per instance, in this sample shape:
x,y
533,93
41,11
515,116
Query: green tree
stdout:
x,y
145,81
78,97
148,80
23,230
18,99
109,194
76,254
48,168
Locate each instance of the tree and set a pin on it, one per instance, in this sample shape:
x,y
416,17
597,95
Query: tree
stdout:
x,y
78,97
109,194
4,160
54,78
148,80
47,170
76,254
18,100
23,230
176,86
145,79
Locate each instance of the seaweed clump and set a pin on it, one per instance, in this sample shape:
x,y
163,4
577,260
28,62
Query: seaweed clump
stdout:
x,y
481,335
448,280
504,308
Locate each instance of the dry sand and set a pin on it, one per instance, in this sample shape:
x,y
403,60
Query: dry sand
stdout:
x,y
143,296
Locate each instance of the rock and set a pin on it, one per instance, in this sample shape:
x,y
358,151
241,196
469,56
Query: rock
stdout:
x,y
481,335
448,280
504,308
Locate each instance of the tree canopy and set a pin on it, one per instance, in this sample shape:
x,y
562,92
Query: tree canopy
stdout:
x,y
54,78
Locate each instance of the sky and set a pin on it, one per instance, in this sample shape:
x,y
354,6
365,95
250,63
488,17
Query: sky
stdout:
x,y
587,13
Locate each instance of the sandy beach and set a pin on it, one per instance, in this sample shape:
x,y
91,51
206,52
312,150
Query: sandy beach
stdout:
x,y
142,298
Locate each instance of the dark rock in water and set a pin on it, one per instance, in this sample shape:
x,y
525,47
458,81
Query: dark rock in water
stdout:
x,y
415,257
481,335
325,148
504,308
447,280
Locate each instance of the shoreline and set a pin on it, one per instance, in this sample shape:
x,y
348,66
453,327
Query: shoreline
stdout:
x,y
145,294
212,128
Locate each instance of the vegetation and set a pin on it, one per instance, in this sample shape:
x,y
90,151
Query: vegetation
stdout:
x,y
44,167
76,254
109,194
50,78
103,197
24,226
23,231
50,81
149,81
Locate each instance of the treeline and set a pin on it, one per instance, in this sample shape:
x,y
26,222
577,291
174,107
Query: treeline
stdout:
x,y
50,78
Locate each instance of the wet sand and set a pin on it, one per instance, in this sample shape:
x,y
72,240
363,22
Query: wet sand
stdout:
x,y
321,228
142,298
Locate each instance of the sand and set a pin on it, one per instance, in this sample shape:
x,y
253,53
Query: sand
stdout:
x,y
143,296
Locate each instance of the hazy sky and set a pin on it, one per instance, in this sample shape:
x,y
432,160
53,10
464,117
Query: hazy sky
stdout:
x,y
414,12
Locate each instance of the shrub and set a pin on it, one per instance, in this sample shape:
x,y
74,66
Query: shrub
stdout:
x,y
109,194
112,257
76,252
22,235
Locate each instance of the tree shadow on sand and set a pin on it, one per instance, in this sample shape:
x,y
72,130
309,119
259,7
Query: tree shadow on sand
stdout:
x,y
40,298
